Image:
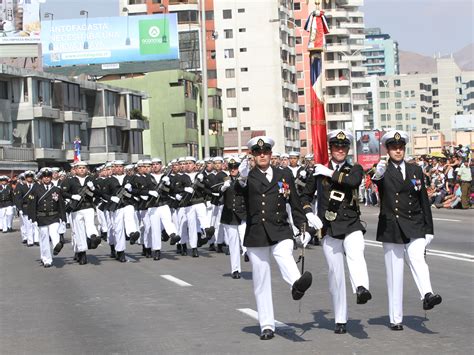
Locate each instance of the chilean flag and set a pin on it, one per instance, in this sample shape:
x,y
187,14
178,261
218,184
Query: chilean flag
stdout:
x,y
318,117
77,150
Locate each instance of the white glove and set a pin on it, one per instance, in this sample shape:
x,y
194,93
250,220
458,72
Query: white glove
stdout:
x,y
305,239
166,180
189,190
320,169
303,173
428,239
153,193
90,185
144,197
179,197
76,197
314,221
35,224
128,187
225,186
244,168
200,177
380,169
115,199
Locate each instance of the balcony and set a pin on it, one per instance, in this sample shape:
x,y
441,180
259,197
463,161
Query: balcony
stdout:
x,y
50,154
138,125
84,154
101,157
336,82
108,121
74,116
337,99
215,141
338,116
215,114
28,112
336,64
339,32
337,47
16,153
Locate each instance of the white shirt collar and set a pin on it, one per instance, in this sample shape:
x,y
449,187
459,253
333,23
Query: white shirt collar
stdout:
x,y
268,173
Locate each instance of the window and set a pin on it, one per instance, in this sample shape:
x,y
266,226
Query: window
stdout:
x,y
245,89
298,23
298,40
212,74
241,11
296,6
210,15
398,94
228,53
244,70
301,91
397,82
301,108
231,112
191,120
241,30
189,50
4,90
399,117
399,127
226,14
299,57
242,50
230,92
188,16
246,109
398,105
228,33
384,94
384,106
302,126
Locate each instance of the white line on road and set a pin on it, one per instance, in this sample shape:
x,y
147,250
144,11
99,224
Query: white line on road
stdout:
x,y
253,314
176,280
442,253
446,219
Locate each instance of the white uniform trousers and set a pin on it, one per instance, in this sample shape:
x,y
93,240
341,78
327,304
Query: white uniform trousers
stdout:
x,y
23,228
125,223
219,236
6,218
83,225
353,246
261,275
145,227
182,224
62,227
103,228
196,218
233,235
46,232
109,217
32,232
160,218
394,259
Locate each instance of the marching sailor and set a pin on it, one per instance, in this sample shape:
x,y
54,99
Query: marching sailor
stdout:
x,y
6,205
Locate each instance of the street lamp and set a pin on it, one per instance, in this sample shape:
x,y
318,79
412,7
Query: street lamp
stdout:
x,y
127,40
164,9
82,13
50,15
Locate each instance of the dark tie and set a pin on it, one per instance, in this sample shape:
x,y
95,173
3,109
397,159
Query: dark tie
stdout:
x,y
337,167
399,168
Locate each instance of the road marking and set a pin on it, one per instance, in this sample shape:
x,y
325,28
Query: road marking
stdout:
x,y
446,219
442,253
253,314
176,280
131,259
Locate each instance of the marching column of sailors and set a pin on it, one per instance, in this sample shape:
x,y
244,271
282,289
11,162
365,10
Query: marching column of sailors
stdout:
x,y
252,206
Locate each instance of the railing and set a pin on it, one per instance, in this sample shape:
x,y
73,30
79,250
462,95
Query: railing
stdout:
x,y
17,154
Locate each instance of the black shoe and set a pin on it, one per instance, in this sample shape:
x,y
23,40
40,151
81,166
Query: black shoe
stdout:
x,y
103,235
47,265
82,258
236,275
10,230
24,241
89,243
61,238
76,257
178,248
113,254
156,255
301,285
121,256
95,241
148,253
267,334
246,258
57,248
174,239
164,236
431,300
37,244
143,250
209,232
68,226
29,245
363,295
184,250
396,326
212,247
195,253
340,328
226,250
134,237
220,247
201,241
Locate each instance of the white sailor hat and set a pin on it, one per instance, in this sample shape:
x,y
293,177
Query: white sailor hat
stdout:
x,y
190,158
294,154
309,156
118,162
208,160
46,172
129,166
143,162
394,137
284,156
108,165
234,161
276,155
156,160
55,169
3,178
80,163
218,158
21,176
340,137
181,159
200,162
174,161
261,143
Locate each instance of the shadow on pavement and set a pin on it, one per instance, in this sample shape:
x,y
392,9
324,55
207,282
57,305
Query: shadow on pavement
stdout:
x,y
415,323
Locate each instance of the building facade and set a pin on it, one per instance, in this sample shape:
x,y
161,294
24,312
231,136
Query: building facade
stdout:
x,y
381,53
41,115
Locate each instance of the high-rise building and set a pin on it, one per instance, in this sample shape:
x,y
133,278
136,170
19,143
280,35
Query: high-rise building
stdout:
x,y
381,53
344,75
256,69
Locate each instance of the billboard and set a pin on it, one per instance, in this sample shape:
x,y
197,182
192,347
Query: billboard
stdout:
x,y
369,149
20,21
103,40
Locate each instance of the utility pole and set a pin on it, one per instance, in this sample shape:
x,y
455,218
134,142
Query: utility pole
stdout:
x,y
204,78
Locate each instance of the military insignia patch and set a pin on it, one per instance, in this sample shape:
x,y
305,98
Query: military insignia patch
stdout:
x,y
341,136
397,136
55,196
260,142
232,161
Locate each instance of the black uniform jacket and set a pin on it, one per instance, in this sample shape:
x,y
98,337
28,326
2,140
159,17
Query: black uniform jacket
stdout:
x,y
46,206
347,180
6,196
113,188
234,211
22,191
267,219
72,186
405,211
214,185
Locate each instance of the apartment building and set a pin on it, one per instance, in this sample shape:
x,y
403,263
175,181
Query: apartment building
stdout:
x,y
381,53
344,74
256,69
41,115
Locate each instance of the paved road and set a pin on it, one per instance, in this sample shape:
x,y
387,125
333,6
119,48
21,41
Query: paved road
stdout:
x,y
108,307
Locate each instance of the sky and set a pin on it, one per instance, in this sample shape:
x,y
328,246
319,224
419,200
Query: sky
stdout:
x,y
423,26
